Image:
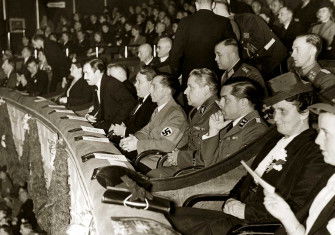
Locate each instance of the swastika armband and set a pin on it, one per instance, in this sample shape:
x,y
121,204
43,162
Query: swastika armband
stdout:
x,y
167,131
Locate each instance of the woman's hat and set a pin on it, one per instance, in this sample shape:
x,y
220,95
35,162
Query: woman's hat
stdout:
x,y
286,86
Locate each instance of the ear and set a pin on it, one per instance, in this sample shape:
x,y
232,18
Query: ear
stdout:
x,y
304,114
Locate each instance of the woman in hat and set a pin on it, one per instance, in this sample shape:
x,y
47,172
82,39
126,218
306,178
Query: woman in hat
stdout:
x,y
320,209
326,25
290,161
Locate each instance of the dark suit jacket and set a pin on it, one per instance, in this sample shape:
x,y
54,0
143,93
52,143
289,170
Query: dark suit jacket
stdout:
x,y
307,15
136,121
300,174
195,40
162,67
56,59
38,84
116,103
80,95
82,48
287,36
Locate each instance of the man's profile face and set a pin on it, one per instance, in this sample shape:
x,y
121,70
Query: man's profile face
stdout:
x,y
194,92
302,52
89,75
283,15
221,56
142,85
229,104
143,54
163,49
32,68
156,89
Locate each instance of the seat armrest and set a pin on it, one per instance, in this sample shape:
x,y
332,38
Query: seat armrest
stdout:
x,y
184,170
191,201
148,153
266,228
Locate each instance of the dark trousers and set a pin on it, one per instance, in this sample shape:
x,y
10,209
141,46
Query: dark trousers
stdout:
x,y
195,221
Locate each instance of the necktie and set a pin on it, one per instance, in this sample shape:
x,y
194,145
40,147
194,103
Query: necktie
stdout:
x,y
137,107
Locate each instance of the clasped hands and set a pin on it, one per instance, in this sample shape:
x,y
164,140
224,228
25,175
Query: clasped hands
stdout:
x,y
119,130
129,144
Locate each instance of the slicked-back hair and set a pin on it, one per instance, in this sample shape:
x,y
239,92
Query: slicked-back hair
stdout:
x,y
246,88
229,42
205,77
97,64
167,82
148,72
314,40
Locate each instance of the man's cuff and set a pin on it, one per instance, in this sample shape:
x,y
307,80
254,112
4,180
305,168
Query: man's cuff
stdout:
x,y
207,136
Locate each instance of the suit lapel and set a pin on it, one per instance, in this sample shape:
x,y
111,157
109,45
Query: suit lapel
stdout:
x,y
324,216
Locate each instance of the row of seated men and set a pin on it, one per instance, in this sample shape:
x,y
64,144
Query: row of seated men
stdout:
x,y
221,126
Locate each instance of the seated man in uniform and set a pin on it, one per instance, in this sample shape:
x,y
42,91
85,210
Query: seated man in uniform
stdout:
x,y
306,49
290,161
228,59
167,125
237,124
201,93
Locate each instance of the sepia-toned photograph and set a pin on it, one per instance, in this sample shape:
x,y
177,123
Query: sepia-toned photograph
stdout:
x,y
167,117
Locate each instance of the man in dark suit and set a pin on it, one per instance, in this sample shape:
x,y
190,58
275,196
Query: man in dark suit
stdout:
x,y
289,27
290,161
113,101
161,63
141,114
196,38
37,82
56,59
10,80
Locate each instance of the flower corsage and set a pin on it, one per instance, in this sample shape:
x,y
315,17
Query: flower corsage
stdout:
x,y
279,158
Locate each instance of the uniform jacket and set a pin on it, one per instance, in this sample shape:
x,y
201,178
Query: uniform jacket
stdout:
x,y
243,70
198,126
116,103
80,94
260,46
227,142
165,129
300,174
195,40
320,78
136,121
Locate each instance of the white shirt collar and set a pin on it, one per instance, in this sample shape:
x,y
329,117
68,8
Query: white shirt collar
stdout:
x,y
159,108
163,59
148,62
237,121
